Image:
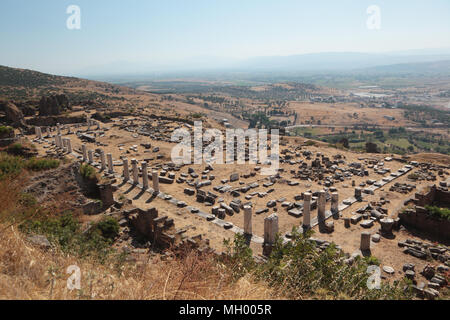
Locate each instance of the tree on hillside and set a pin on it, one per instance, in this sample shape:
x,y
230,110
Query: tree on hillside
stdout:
x,y
371,147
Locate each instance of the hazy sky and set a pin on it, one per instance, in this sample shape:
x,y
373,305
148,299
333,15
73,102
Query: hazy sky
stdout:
x,y
34,35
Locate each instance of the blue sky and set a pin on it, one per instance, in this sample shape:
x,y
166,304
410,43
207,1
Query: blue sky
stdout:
x,y
33,34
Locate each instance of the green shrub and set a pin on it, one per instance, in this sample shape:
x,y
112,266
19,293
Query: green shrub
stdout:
x,y
15,149
66,232
109,228
41,164
310,143
5,131
10,165
372,261
442,213
197,115
87,171
239,256
296,269
27,200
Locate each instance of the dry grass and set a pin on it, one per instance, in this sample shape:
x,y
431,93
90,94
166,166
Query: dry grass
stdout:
x,y
27,272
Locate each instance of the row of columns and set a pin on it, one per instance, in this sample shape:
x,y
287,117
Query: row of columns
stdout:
x,y
271,222
61,143
107,163
135,174
321,203
59,128
91,122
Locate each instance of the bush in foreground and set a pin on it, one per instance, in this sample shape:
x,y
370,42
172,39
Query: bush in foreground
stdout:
x,y
66,233
297,270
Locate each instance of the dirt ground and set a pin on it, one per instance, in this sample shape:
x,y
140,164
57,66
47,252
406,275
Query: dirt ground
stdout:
x,y
387,250
344,114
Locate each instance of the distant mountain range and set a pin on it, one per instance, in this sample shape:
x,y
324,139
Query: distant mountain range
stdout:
x,y
311,63
434,67
258,69
336,61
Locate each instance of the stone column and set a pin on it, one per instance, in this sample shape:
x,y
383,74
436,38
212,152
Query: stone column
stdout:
x,y
144,175
221,213
110,163
59,128
64,143
321,206
126,170
358,193
155,179
135,171
248,220
270,231
38,132
365,241
84,150
103,160
386,226
90,156
307,210
69,145
334,203
347,222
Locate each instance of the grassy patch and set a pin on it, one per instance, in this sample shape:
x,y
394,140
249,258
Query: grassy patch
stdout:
x,y
14,149
5,131
66,232
10,165
87,171
442,213
35,164
297,270
310,143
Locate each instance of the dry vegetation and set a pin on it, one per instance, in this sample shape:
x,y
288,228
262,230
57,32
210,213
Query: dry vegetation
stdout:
x,y
29,272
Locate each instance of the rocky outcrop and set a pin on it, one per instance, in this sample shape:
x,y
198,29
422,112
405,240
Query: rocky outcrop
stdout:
x,y
53,105
27,110
13,114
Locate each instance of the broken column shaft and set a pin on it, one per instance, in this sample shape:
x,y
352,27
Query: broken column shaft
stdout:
x,y
110,163
144,175
307,210
248,220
